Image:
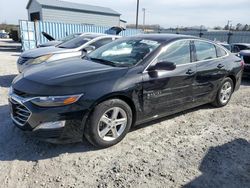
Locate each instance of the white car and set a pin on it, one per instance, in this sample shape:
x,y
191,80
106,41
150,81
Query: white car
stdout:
x,y
78,46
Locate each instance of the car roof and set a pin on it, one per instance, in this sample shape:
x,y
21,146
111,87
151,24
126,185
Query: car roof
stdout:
x,y
164,37
97,35
222,43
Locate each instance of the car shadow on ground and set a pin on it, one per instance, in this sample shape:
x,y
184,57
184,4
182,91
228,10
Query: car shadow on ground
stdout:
x,y
10,49
144,125
16,54
17,145
10,46
225,166
6,80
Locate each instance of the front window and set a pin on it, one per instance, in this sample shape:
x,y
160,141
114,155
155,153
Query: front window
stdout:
x,y
124,52
178,53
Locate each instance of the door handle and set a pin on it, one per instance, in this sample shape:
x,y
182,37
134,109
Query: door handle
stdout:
x,y
190,72
220,66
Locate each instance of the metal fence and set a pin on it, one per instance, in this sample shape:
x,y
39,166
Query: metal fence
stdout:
x,y
31,32
222,36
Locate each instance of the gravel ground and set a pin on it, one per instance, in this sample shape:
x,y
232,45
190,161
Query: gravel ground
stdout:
x,y
204,147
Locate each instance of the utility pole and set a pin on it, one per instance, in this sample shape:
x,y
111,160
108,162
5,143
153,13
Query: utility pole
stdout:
x,y
201,33
144,18
228,25
229,31
137,14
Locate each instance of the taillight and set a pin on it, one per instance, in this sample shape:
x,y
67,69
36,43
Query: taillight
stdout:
x,y
242,63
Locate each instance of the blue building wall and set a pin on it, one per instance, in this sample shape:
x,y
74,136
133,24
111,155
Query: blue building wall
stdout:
x,y
31,32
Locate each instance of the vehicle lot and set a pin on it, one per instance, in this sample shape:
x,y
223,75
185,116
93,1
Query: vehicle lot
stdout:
x,y
203,147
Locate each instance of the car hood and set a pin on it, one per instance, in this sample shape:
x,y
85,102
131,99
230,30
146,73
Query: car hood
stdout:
x,y
37,52
50,43
65,76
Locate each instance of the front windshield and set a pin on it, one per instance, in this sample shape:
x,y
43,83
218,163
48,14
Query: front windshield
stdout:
x,y
70,37
124,52
76,42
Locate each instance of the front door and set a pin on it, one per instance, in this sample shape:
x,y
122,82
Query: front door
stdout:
x,y
166,92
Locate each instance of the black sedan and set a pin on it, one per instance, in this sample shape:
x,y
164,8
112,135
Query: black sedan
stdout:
x,y
237,47
125,83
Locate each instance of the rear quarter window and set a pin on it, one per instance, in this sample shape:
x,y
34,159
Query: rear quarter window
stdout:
x,y
205,50
220,52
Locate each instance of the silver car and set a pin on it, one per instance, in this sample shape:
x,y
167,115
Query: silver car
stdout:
x,y
78,46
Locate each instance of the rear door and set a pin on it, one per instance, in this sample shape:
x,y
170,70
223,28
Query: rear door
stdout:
x,y
168,91
211,69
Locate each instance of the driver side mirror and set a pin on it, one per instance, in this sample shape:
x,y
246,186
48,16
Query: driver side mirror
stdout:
x,y
164,65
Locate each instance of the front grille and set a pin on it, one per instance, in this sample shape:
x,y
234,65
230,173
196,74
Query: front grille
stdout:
x,y
246,59
23,60
20,113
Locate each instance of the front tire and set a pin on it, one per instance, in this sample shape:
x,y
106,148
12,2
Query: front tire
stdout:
x,y
224,93
109,123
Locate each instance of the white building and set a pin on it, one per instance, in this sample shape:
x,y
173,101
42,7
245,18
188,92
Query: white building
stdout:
x,y
74,13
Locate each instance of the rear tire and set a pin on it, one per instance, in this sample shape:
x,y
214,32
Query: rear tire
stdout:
x,y
224,93
109,123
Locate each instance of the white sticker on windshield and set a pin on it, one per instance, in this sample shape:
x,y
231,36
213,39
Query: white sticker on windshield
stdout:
x,y
149,42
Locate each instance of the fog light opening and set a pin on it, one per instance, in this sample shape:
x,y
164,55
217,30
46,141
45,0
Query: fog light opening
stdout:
x,y
51,125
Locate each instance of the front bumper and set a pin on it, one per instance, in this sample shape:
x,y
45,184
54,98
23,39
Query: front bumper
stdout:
x,y
29,118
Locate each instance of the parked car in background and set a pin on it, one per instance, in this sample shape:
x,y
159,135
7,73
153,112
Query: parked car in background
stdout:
x,y
245,55
75,47
237,47
4,35
125,83
54,42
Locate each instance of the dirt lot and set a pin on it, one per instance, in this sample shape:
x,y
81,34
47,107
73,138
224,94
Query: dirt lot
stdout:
x,y
204,147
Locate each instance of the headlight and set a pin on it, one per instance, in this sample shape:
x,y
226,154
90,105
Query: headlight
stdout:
x,y
54,101
40,59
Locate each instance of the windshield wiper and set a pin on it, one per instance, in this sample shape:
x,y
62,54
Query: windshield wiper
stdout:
x,y
103,61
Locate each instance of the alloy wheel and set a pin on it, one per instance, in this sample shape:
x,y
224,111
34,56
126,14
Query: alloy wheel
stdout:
x,y
225,92
112,124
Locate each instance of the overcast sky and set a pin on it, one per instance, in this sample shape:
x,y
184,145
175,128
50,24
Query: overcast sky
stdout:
x,y
167,13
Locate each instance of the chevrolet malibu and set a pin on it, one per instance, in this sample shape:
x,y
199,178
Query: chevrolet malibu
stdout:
x,y
122,84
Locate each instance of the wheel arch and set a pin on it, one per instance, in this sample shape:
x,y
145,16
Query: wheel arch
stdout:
x,y
233,78
120,96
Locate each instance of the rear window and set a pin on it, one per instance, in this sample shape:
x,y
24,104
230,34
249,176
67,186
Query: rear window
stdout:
x,y
220,52
205,50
